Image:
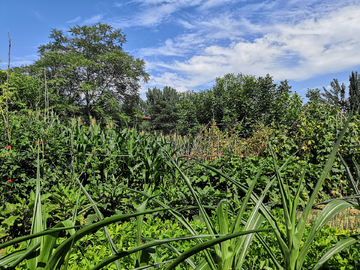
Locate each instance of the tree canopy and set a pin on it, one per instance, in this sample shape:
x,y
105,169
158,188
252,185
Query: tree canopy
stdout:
x,y
337,95
354,91
161,106
89,70
234,99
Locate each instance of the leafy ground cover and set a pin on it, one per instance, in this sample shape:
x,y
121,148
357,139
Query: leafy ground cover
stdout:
x,y
92,249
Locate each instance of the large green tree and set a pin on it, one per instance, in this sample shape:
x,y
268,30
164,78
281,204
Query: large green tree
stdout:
x,y
354,91
335,96
246,99
187,112
240,99
89,71
314,96
160,105
24,91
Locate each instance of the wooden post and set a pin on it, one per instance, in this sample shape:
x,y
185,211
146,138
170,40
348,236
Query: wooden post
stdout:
x,y
7,93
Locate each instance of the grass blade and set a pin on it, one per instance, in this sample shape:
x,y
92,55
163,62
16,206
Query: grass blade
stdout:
x,y
208,244
122,254
181,219
201,209
351,179
155,265
140,256
37,222
329,211
61,251
32,236
49,241
100,216
339,246
326,170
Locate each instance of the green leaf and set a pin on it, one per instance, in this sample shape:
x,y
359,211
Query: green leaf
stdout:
x,y
339,246
37,223
59,254
208,244
10,220
329,211
122,254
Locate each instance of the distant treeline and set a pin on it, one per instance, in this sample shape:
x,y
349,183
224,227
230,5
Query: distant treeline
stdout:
x,y
87,74
241,101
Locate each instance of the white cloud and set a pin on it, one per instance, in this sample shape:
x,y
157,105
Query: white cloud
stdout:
x,y
185,24
153,12
322,43
94,19
213,3
19,61
161,2
155,15
74,20
179,46
172,79
152,16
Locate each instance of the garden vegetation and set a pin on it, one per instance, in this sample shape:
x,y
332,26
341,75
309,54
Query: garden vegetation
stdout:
x,y
227,178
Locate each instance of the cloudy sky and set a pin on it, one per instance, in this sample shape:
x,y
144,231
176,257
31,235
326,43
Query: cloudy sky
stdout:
x,y
188,43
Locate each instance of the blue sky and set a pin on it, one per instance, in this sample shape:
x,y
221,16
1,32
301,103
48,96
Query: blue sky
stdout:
x,y
188,43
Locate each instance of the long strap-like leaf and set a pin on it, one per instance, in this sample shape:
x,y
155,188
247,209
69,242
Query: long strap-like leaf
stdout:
x,y
329,211
208,244
182,220
61,251
295,257
37,222
122,254
339,246
351,179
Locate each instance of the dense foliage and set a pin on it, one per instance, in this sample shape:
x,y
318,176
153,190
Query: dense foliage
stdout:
x,y
84,73
118,167
234,99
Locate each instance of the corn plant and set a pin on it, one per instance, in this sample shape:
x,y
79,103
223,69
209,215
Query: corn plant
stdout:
x,y
44,252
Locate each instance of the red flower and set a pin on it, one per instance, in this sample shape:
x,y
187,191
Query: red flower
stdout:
x,y
37,143
10,181
8,146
